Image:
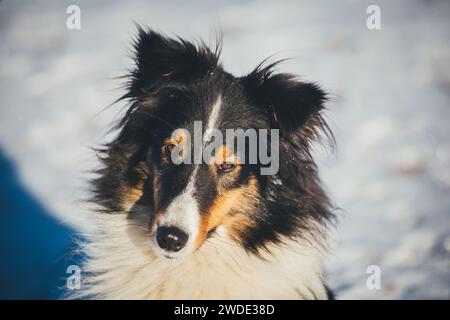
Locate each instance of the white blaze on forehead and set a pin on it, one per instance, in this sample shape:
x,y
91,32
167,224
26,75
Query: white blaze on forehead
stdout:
x,y
212,122
183,211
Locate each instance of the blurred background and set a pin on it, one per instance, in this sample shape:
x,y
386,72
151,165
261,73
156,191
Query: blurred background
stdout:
x,y
390,112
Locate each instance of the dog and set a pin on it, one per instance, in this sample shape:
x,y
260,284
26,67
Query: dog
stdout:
x,y
217,230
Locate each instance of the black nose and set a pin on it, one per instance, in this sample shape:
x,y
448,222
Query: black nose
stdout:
x,y
171,238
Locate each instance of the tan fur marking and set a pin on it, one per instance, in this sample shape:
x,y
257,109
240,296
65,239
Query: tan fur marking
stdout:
x,y
179,141
229,210
131,195
225,155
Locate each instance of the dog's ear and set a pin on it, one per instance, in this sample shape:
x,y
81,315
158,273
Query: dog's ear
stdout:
x,y
292,104
159,59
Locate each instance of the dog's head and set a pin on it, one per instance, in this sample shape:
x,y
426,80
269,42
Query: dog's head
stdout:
x,y
178,92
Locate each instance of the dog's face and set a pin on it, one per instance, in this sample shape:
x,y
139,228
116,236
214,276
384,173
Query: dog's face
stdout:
x,y
178,90
190,200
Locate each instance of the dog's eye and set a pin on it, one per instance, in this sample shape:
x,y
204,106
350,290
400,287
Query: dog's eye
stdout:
x,y
227,167
168,148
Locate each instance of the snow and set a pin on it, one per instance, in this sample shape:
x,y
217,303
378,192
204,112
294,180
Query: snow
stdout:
x,y
390,111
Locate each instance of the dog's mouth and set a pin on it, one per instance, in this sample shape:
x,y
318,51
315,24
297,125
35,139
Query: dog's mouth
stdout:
x,y
211,233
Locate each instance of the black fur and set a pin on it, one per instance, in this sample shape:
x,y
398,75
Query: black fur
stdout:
x,y
172,84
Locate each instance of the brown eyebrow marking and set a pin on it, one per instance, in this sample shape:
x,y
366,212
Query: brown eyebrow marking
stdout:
x,y
179,141
225,155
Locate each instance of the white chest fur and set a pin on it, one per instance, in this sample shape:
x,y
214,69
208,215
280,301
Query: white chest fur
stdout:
x,y
122,266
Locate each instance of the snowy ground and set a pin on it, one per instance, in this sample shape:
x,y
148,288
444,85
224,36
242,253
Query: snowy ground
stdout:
x,y
391,172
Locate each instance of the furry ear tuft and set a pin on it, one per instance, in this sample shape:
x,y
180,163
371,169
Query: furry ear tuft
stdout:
x,y
159,59
292,103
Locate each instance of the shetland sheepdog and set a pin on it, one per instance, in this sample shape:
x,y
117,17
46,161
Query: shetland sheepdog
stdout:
x,y
217,230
